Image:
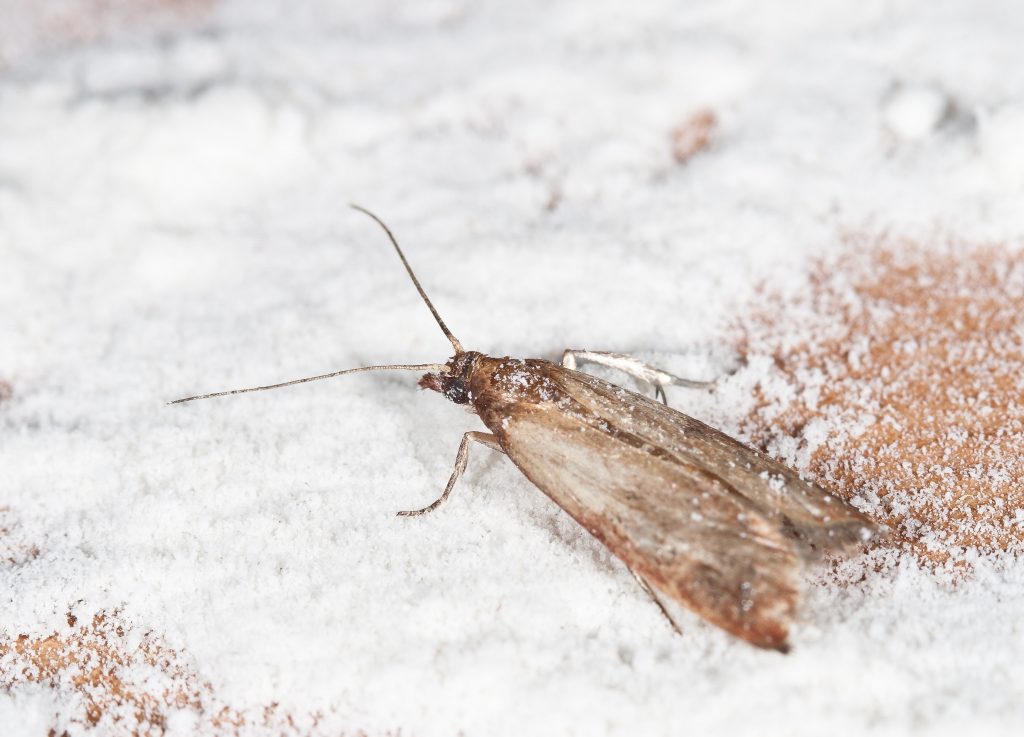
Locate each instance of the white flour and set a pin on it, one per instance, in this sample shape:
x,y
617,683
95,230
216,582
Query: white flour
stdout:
x,y
173,220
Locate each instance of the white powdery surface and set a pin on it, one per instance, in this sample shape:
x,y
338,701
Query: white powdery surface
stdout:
x,y
173,220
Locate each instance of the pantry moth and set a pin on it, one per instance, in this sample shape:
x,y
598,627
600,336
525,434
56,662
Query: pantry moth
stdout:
x,y
696,515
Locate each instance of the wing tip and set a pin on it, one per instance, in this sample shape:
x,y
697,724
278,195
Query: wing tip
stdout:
x,y
841,536
767,635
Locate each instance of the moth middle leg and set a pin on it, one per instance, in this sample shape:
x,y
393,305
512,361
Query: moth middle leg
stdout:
x,y
655,377
461,459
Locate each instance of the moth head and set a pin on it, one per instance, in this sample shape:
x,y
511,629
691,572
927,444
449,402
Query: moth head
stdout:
x,y
453,379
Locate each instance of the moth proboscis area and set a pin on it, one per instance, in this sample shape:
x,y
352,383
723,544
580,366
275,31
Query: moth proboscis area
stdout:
x,y
696,515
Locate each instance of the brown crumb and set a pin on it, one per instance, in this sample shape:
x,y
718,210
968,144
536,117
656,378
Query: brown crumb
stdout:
x,y
693,135
6,391
903,368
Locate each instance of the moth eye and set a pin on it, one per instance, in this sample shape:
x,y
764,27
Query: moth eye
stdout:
x,y
457,391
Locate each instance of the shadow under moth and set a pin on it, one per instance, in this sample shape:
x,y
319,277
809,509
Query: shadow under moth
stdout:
x,y
696,515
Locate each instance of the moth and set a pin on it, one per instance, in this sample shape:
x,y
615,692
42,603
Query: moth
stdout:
x,y
698,517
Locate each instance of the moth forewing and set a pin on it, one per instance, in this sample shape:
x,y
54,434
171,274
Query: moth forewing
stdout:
x,y
653,486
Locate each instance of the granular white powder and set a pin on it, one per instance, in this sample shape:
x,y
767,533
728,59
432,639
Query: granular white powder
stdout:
x,y
173,220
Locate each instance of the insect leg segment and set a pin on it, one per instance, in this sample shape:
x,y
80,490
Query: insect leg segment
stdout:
x,y
636,368
657,600
461,459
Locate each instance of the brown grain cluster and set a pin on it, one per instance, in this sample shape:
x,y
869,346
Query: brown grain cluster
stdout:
x,y
94,662
693,135
114,682
903,369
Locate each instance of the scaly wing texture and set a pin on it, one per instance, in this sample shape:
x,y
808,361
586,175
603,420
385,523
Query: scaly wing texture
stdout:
x,y
706,520
814,515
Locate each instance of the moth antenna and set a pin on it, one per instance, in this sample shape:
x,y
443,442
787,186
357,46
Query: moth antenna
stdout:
x,y
396,366
444,328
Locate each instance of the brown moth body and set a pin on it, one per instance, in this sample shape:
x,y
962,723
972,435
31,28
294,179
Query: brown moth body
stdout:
x,y
695,514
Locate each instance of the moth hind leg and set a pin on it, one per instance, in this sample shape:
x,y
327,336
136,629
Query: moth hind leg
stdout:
x,y
461,459
644,372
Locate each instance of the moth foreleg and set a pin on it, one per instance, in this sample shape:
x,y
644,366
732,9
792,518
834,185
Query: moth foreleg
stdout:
x,y
657,600
461,459
636,368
